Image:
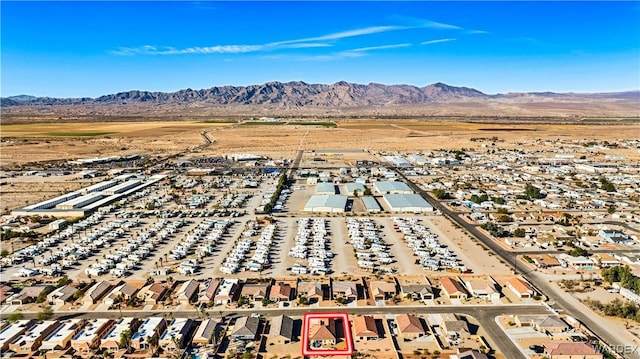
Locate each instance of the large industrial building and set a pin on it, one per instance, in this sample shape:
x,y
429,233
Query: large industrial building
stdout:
x,y
407,203
325,188
370,204
326,204
397,161
90,198
392,187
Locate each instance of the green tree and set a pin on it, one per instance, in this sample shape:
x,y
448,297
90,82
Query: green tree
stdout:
x,y
606,185
4,253
497,200
611,209
519,232
125,338
45,314
578,252
533,192
441,194
42,297
14,317
367,191
63,281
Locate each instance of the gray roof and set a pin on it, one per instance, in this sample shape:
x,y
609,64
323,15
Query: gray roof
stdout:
x,y
246,326
416,288
326,187
370,203
332,201
282,325
406,200
390,186
352,186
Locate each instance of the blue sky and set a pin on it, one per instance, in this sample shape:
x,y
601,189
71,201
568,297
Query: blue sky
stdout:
x,y
87,49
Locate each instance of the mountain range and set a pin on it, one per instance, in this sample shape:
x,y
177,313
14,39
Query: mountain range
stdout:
x,y
303,96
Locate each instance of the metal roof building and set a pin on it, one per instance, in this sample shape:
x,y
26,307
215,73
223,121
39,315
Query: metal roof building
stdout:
x,y
354,187
392,187
397,161
326,188
371,204
326,203
407,203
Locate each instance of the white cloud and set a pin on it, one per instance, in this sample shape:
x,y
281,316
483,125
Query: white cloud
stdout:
x,y
437,41
478,32
381,47
310,42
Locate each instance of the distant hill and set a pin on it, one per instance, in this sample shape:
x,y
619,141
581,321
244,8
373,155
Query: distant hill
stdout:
x,y
301,96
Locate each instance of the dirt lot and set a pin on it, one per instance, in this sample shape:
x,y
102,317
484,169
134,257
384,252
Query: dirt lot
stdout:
x,y
23,143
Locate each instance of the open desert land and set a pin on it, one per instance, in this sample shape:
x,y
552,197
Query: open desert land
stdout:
x,y
25,143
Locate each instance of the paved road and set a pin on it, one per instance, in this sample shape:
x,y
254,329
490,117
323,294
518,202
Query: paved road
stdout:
x,y
510,258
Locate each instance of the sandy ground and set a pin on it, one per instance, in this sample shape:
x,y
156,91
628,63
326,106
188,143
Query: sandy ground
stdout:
x,y
42,142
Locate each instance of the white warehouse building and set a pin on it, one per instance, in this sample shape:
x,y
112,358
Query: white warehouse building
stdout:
x,y
326,203
82,201
407,203
392,187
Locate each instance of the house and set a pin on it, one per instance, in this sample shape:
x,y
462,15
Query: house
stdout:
x,y
381,290
521,287
29,294
546,261
281,292
484,289
206,332
456,330
453,288
579,262
543,323
12,331
209,292
606,260
187,292
111,340
281,331
615,236
409,326
322,333
123,292
97,291
417,291
63,295
175,335
569,350
226,291
254,292
246,328
5,292
88,339
364,328
345,289
153,293
62,335
149,331
32,339
310,290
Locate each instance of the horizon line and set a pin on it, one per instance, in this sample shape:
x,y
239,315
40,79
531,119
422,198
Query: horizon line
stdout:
x,y
325,83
